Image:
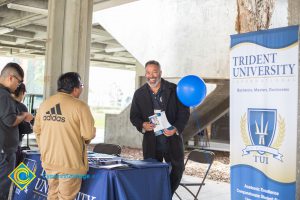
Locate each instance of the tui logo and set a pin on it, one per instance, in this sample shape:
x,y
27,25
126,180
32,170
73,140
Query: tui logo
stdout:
x,y
54,114
265,135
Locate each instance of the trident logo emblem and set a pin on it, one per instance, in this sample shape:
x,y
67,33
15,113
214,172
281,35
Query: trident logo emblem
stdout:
x,y
262,132
262,126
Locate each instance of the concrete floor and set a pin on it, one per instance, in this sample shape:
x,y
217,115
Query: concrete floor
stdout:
x,y
212,190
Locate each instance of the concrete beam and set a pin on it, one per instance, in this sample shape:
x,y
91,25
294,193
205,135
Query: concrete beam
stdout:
x,y
22,34
112,42
100,35
99,38
4,2
4,49
43,21
19,21
98,46
8,42
9,51
34,27
100,5
123,54
92,51
27,51
23,41
22,55
30,8
38,53
21,47
7,38
10,15
114,48
42,4
41,36
97,31
4,30
37,44
98,26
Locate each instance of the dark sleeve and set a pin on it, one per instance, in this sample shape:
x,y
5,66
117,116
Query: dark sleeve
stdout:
x,y
22,107
136,117
182,117
8,111
25,128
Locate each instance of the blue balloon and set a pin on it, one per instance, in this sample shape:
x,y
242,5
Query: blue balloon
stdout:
x,y
191,90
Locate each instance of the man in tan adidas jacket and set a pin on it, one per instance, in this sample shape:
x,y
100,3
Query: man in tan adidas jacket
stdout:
x,y
63,126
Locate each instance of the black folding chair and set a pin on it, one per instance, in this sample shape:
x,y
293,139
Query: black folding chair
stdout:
x,y
199,156
112,149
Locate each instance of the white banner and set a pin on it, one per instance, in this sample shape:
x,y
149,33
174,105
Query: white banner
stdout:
x,y
263,114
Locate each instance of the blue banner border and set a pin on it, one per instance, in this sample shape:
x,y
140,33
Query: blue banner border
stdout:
x,y
273,38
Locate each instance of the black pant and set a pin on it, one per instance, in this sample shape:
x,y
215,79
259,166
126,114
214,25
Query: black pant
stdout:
x,y
176,171
19,156
7,165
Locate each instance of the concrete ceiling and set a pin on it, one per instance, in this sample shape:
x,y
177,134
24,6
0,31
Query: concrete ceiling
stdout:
x,y
23,33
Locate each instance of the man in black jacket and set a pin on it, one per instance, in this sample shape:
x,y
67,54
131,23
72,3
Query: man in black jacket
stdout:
x,y
157,96
11,77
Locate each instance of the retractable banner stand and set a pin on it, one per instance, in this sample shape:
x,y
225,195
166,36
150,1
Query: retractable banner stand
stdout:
x,y
263,114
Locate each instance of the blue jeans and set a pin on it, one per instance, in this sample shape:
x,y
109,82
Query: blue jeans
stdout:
x,y
7,165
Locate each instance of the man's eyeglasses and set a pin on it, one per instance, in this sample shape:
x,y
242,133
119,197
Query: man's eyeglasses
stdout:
x,y
19,81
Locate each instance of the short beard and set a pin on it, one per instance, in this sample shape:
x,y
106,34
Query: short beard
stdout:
x,y
155,84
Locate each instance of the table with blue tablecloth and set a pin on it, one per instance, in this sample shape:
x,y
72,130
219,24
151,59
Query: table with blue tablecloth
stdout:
x,y
141,180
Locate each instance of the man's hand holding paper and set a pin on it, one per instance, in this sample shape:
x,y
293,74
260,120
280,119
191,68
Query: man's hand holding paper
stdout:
x,y
148,126
161,123
170,131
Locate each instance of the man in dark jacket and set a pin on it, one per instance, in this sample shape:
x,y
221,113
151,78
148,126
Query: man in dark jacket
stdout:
x,y
10,78
157,96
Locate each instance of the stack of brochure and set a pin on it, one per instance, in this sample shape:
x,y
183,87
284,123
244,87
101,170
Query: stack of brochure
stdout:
x,y
104,161
99,155
99,160
31,151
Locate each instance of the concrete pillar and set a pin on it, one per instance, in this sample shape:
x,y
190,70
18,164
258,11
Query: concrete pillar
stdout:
x,y
293,12
140,73
68,43
294,19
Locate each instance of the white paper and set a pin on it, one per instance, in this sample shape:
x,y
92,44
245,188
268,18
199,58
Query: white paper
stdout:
x,y
113,166
160,120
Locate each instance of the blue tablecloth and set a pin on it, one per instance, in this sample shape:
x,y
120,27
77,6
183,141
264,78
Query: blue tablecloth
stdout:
x,y
143,181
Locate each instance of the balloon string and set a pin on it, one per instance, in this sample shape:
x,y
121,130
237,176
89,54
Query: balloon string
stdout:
x,y
202,140
194,114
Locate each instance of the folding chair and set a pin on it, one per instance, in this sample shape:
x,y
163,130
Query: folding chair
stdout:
x,y
112,149
199,156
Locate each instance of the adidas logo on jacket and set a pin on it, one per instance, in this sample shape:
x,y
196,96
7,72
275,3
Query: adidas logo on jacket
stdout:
x,y
54,114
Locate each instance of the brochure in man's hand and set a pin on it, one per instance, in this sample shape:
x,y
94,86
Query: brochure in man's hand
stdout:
x,y
161,122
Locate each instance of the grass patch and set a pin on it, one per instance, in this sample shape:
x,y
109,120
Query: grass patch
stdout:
x,y
99,120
